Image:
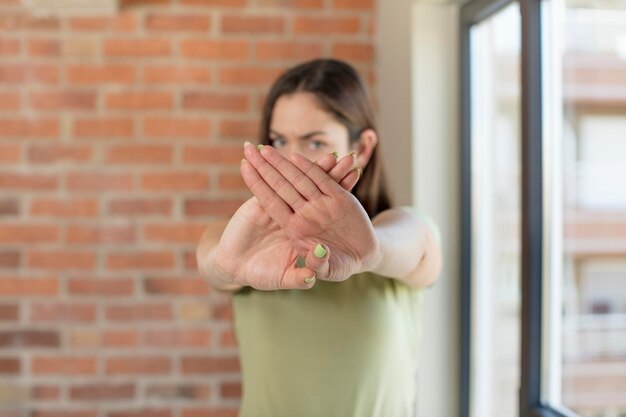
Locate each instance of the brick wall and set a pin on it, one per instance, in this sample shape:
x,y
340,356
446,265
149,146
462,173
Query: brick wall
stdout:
x,y
120,137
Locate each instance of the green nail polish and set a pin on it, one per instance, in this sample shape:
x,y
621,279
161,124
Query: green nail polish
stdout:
x,y
310,279
353,154
336,154
260,146
301,262
320,252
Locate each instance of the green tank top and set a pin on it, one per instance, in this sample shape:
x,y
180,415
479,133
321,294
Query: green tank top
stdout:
x,y
340,349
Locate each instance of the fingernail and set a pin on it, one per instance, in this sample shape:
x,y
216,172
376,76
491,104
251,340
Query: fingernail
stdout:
x,y
246,143
353,154
260,146
310,279
301,262
243,161
336,154
320,252
358,171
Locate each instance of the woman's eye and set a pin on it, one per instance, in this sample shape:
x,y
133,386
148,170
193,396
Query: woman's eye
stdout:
x,y
276,142
316,144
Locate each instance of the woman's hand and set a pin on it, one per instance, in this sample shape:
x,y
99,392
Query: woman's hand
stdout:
x,y
311,208
255,251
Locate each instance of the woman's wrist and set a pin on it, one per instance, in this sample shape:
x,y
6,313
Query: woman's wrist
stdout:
x,y
217,276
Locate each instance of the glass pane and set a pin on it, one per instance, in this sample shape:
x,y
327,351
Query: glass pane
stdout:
x,y
587,370
495,136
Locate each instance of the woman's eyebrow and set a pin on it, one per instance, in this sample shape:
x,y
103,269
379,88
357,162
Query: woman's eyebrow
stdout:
x,y
306,136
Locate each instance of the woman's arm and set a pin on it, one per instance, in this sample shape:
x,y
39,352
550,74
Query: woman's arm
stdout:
x,y
410,247
205,254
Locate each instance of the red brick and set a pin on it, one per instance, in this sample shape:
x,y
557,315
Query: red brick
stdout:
x,y
354,51
231,182
204,207
209,412
215,3
230,390
20,287
177,23
9,207
213,154
189,260
104,128
326,25
192,338
120,338
21,182
18,233
59,153
288,50
216,101
228,339
61,260
101,234
248,76
63,365
10,259
28,22
20,128
122,22
63,100
177,128
62,312
10,101
97,181
354,4
143,3
22,339
179,391
292,4
139,312
140,260
137,48
175,181
102,392
176,75
61,412
10,154
9,312
140,207
209,365
210,49
252,24
72,207
9,47
173,233
145,412
101,74
176,286
101,287
239,129
138,365
139,101
139,154
45,392
44,48
10,366
223,311
29,73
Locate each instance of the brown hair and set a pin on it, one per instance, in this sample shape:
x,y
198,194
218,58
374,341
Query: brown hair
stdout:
x,y
340,89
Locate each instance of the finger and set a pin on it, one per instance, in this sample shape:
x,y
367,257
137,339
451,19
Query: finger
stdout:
x,y
298,278
285,168
328,161
317,260
274,179
343,166
322,180
273,204
351,179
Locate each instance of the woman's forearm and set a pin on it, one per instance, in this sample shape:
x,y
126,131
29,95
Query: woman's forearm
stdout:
x,y
208,268
409,247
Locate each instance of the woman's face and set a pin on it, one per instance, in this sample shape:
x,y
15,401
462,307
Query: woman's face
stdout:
x,y
300,125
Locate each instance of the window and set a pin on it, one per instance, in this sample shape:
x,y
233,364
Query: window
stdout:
x,y
544,208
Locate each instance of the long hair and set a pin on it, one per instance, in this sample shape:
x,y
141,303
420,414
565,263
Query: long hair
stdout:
x,y
341,91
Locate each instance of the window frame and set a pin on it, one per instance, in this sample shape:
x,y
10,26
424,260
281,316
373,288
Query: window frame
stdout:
x,y
532,199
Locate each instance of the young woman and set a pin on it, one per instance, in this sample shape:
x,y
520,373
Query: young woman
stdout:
x,y
326,274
